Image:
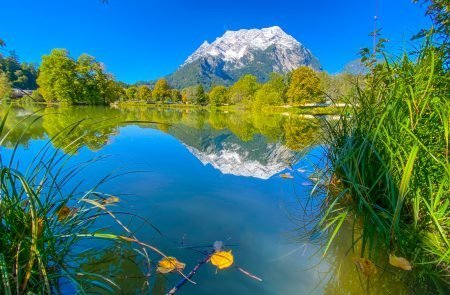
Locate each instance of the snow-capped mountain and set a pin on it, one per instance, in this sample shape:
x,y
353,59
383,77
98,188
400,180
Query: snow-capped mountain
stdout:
x,y
226,152
234,159
257,52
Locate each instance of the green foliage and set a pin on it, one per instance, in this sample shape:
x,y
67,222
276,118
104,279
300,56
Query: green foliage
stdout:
x,y
304,86
21,75
218,96
62,79
131,93
390,161
338,87
5,86
200,96
272,92
189,95
175,95
144,93
36,96
244,89
57,76
161,91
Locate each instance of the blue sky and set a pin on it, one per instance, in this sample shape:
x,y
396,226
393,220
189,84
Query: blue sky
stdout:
x,y
143,40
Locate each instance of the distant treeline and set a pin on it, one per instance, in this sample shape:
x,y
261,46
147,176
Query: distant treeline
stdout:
x,y
14,74
303,85
84,81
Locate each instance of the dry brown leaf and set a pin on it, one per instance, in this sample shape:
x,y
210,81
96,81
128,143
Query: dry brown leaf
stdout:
x,y
66,212
399,262
365,266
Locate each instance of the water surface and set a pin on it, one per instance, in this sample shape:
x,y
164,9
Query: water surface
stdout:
x,y
199,177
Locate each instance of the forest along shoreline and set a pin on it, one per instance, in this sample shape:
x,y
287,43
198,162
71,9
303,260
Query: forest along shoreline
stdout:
x,y
387,176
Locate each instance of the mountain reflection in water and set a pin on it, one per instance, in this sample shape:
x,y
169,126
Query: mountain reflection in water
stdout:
x,y
242,143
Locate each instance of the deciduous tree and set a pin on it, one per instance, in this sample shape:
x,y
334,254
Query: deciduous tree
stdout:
x,y
304,86
161,91
244,89
218,96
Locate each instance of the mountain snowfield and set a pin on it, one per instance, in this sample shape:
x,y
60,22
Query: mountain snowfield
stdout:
x,y
256,51
234,45
233,159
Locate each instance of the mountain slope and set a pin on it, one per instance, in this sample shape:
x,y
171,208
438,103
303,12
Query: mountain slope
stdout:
x,y
236,53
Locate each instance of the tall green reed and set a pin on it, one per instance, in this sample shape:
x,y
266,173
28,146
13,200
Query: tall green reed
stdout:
x,y
389,159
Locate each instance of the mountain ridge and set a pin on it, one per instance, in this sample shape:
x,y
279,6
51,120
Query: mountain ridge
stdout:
x,y
259,52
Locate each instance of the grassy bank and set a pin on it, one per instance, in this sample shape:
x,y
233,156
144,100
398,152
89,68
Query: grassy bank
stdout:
x,y
390,171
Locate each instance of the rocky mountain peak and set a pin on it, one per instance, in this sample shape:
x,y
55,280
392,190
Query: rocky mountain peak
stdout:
x,y
248,51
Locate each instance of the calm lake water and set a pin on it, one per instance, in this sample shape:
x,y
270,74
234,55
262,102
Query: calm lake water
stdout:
x,y
200,177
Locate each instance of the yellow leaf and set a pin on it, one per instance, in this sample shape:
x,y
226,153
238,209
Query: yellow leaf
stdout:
x,y
110,200
399,262
222,259
365,266
286,176
169,264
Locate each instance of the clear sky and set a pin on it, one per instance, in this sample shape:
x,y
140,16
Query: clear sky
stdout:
x,y
143,40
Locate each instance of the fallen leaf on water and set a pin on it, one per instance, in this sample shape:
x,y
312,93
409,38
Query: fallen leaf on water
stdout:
x,y
110,200
222,259
65,212
399,262
169,264
286,176
365,266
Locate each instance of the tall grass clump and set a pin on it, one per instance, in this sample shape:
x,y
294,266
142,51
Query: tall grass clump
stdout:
x,y
390,169
44,217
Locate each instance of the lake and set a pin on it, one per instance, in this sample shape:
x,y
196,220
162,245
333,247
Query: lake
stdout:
x,y
198,177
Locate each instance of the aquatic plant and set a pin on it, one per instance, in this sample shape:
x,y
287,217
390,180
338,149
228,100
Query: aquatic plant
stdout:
x,y
390,171
44,216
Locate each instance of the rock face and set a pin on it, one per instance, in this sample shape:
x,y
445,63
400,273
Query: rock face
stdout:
x,y
236,53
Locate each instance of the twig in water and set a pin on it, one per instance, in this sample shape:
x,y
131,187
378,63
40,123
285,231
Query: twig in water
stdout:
x,y
191,274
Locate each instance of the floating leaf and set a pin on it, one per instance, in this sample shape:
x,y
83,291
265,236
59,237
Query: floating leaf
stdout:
x,y
169,264
110,200
365,266
66,212
222,259
286,176
399,262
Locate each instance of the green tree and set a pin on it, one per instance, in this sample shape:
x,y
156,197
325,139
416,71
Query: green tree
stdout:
x,y
218,96
87,87
175,95
5,86
21,75
272,92
188,95
244,89
339,87
57,77
131,93
304,86
144,93
161,91
200,95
